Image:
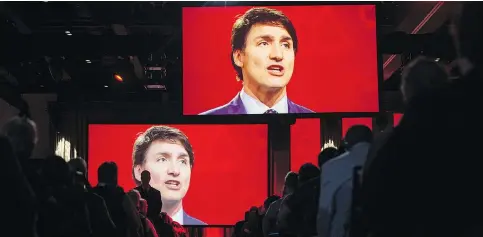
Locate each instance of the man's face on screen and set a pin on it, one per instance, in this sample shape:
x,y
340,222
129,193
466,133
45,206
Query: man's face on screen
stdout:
x,y
268,58
170,168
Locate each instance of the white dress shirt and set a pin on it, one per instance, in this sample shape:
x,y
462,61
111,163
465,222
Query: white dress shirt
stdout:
x,y
255,106
178,216
336,191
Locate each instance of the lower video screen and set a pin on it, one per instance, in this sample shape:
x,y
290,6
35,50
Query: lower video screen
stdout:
x,y
206,174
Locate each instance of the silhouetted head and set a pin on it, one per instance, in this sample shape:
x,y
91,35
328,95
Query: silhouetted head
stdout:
x,y
420,75
291,182
22,133
145,178
107,173
270,200
56,172
326,155
135,198
357,134
78,165
307,172
143,206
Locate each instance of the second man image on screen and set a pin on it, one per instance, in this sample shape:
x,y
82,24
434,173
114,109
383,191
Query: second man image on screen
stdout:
x,y
167,154
264,44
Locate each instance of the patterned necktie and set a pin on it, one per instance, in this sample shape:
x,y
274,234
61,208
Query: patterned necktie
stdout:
x,y
271,111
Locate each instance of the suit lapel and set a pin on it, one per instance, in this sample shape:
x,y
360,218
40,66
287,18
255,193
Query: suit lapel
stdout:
x,y
236,106
292,108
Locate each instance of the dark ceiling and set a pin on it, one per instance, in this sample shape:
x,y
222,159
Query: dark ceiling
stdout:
x,y
75,48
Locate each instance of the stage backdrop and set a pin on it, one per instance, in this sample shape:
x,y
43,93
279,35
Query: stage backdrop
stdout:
x,y
304,143
229,173
335,67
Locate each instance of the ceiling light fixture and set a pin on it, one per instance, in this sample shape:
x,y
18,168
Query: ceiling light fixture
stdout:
x,y
118,78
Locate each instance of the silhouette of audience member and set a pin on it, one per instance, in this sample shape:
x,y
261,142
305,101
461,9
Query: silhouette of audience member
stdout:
x,y
151,195
327,154
148,224
22,133
298,211
269,223
253,226
63,211
100,219
420,75
421,182
148,227
164,225
336,179
123,213
19,213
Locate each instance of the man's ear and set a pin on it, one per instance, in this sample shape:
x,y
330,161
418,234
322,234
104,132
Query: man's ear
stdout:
x,y
137,172
238,57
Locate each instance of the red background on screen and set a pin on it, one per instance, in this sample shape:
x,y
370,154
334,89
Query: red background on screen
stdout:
x,y
229,173
304,143
397,118
335,67
349,122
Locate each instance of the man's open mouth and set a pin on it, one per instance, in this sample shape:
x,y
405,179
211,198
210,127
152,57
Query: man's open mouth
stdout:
x,y
276,70
172,184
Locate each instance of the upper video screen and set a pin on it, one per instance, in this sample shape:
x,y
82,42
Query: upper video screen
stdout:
x,y
206,174
278,60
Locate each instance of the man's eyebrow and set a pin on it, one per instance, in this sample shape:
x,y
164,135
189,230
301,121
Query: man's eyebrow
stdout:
x,y
287,38
269,37
265,37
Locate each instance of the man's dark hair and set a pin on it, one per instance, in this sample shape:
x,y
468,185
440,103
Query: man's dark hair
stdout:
x,y
107,173
78,165
357,134
422,74
470,32
22,133
158,133
291,180
258,15
326,155
57,172
270,200
308,171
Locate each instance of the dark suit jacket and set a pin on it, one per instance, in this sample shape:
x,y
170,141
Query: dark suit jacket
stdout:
x,y
235,106
153,198
189,220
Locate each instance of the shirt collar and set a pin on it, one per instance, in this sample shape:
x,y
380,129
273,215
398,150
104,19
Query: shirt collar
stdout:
x,y
255,106
178,216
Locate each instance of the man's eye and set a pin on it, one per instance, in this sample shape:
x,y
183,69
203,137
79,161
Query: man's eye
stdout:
x,y
263,43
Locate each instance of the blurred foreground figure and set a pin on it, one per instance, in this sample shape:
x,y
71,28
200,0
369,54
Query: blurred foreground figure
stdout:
x,y
424,181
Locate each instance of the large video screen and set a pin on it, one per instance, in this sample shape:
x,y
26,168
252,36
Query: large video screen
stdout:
x,y
209,174
277,60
